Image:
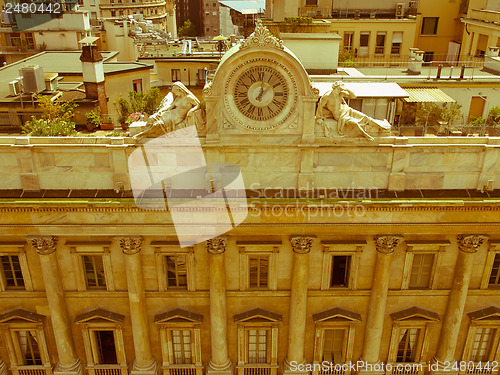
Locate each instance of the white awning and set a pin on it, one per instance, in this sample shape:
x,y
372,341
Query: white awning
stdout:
x,y
427,95
367,89
397,37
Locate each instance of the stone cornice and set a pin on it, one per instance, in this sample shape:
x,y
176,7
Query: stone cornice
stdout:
x,y
216,245
469,243
44,245
130,245
386,244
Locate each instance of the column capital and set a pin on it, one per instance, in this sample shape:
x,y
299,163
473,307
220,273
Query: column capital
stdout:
x,y
386,244
130,245
44,245
216,245
469,243
302,244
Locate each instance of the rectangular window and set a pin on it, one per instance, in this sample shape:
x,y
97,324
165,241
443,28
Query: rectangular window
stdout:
x,y
397,40
364,40
176,271
348,40
429,25
311,2
481,347
333,345
14,39
421,271
11,272
257,345
341,265
258,268
106,348
181,342
380,44
137,85
30,351
113,13
495,272
176,75
94,271
407,348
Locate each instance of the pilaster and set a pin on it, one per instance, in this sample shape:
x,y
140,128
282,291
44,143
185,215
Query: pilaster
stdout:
x,y
385,245
468,244
219,364
144,362
301,246
68,363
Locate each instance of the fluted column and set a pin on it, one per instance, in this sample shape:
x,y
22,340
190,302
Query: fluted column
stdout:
x,y
301,246
385,246
220,362
467,245
68,363
144,362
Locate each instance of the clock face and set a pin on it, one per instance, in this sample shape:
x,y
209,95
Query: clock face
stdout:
x,y
260,93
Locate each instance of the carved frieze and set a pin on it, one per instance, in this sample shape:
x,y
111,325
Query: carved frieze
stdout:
x,y
216,245
44,245
469,243
387,244
301,244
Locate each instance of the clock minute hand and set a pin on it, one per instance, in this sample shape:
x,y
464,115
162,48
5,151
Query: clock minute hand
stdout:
x,y
261,93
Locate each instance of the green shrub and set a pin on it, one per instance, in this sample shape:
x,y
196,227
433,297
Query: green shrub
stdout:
x,y
56,119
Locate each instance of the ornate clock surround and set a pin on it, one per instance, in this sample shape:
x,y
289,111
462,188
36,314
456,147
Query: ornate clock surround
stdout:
x,y
273,115
290,115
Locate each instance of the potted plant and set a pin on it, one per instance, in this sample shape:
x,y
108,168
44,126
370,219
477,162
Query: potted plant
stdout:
x,y
107,123
133,117
93,120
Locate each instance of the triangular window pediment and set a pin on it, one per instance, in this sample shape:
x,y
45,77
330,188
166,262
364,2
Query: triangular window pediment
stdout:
x,y
415,314
99,316
337,315
257,316
489,313
178,316
21,316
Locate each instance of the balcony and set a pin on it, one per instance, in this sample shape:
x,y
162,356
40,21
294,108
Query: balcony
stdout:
x,y
182,370
257,369
31,370
489,16
107,370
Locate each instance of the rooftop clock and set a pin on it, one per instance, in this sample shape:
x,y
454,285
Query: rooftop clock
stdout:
x,y
261,94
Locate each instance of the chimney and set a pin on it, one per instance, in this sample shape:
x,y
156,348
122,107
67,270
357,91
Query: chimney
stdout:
x,y
415,63
93,73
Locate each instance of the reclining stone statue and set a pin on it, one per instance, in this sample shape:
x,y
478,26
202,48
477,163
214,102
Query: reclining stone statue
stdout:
x,y
179,109
333,110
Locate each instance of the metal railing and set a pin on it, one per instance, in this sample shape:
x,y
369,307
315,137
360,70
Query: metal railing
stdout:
x,y
108,371
182,371
32,371
258,370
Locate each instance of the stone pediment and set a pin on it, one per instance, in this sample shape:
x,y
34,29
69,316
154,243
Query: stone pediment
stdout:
x,y
178,316
489,313
337,315
258,315
99,316
415,313
21,316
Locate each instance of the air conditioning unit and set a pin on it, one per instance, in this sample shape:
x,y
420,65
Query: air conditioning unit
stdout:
x,y
15,88
33,79
400,10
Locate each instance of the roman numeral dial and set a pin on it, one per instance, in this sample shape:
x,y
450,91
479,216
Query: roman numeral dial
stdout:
x,y
261,93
